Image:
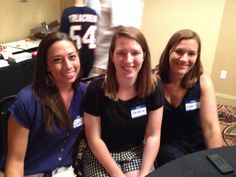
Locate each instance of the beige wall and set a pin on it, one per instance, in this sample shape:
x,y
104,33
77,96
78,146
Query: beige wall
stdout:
x,y
162,18
225,56
66,3
18,18
213,20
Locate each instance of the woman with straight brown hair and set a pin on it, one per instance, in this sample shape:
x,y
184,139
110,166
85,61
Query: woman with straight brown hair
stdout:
x,y
190,121
45,118
123,111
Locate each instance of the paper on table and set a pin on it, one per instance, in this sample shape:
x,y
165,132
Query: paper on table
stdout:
x,y
24,44
13,49
3,63
22,56
6,54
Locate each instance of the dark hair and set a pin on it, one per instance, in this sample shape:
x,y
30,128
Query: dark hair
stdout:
x,y
162,69
44,88
146,81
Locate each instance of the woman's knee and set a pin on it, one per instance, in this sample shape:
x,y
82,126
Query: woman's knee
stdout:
x,y
168,153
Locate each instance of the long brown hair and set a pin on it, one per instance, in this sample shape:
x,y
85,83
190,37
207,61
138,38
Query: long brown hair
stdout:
x,y
44,88
146,81
162,69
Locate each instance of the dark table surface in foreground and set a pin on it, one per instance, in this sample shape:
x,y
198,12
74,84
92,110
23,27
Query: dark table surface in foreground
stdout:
x,y
197,165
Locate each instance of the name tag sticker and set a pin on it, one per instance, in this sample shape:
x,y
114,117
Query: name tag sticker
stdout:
x,y
192,105
78,122
138,111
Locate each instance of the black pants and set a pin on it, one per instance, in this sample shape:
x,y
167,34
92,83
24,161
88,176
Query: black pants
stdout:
x,y
174,150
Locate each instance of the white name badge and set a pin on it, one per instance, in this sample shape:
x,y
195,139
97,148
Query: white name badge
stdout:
x,y
138,111
192,105
78,122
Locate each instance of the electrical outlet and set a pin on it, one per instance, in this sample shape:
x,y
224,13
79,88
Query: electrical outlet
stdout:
x,y
223,74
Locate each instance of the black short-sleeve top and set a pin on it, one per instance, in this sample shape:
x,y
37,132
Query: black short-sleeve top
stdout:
x,y
123,123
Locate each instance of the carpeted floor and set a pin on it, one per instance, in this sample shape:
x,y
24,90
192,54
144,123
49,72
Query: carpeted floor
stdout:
x,y
227,118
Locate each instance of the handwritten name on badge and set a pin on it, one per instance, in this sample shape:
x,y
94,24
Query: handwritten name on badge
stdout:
x,y
138,111
78,122
192,105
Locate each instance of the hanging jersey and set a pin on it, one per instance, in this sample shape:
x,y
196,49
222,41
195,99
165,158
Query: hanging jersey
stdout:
x,y
81,24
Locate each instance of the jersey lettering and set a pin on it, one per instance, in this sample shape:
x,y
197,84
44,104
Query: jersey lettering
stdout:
x,y
87,38
83,18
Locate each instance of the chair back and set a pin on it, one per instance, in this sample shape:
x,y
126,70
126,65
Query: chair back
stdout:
x,y
4,104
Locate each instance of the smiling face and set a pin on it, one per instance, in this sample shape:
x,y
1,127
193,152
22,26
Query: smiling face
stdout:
x,y
63,63
183,57
127,58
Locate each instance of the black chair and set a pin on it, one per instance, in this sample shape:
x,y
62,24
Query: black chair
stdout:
x,y
4,104
87,80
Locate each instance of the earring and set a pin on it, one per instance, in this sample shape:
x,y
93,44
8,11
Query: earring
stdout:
x,y
50,81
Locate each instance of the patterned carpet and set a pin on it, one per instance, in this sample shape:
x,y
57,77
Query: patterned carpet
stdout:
x,y
227,118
